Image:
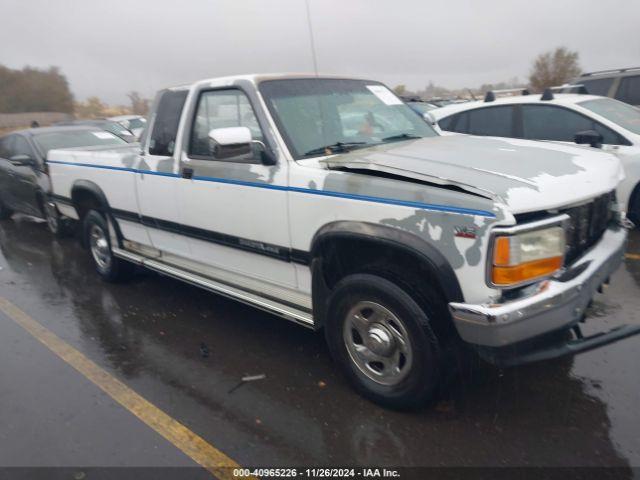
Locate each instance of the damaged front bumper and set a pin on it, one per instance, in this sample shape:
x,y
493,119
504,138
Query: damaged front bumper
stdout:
x,y
556,305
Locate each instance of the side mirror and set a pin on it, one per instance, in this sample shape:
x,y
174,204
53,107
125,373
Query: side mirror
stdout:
x,y
230,142
588,137
21,160
233,142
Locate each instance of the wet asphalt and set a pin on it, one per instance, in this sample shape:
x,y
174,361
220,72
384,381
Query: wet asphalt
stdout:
x,y
185,350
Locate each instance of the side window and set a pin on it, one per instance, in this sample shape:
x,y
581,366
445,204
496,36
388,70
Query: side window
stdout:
x,y
221,109
543,122
609,137
21,146
165,127
599,86
458,123
445,123
629,90
492,121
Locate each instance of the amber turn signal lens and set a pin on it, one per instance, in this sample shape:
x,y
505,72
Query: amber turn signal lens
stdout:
x,y
525,271
501,252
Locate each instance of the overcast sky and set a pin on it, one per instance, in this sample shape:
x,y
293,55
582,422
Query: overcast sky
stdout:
x,y
107,48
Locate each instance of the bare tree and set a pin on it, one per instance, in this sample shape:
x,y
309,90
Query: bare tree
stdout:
x,y
139,105
400,89
91,108
554,68
34,90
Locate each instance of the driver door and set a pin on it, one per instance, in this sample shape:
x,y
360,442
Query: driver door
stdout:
x,y
234,209
22,176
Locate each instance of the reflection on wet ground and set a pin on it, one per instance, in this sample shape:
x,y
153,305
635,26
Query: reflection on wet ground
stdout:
x,y
185,350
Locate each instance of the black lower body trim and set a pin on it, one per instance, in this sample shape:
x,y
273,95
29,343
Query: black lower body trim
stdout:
x,y
274,251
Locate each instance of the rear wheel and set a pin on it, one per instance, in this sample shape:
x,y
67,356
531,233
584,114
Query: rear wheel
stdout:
x,y
383,341
96,236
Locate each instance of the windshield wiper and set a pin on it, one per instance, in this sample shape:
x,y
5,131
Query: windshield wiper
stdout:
x,y
402,136
335,147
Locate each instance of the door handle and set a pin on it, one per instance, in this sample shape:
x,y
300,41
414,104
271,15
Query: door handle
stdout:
x,y
187,172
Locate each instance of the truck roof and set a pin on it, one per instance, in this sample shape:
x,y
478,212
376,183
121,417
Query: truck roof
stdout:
x,y
257,78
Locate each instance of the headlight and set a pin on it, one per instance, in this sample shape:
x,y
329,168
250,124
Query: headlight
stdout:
x,y
523,257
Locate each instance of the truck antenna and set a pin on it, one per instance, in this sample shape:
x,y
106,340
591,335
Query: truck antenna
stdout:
x,y
313,45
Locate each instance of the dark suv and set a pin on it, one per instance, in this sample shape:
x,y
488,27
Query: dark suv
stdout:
x,y
622,84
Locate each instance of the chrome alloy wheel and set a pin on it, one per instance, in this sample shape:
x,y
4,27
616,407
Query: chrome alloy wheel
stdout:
x,y
378,343
99,245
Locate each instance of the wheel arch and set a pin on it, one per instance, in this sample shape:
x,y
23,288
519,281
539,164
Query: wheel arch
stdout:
x,y
87,195
374,236
86,192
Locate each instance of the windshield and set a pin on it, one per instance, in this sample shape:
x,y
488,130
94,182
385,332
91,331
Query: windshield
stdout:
x,y
617,112
73,139
315,113
115,127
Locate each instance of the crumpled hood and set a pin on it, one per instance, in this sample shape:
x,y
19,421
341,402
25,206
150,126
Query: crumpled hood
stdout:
x,y
524,175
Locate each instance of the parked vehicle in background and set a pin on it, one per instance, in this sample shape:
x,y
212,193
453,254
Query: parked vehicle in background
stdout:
x,y
622,84
439,102
107,125
603,123
398,242
24,180
420,107
134,123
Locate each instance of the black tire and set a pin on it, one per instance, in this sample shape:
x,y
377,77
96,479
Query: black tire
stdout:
x,y
419,382
5,212
634,208
96,238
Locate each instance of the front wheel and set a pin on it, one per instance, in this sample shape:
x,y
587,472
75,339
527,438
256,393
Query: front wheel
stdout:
x,y
96,235
383,341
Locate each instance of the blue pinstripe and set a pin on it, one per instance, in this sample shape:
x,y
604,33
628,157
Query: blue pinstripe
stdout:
x,y
325,193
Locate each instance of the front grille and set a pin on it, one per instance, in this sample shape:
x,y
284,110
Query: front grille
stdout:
x,y
587,224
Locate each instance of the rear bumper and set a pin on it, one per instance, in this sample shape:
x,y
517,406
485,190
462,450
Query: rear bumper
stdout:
x,y
556,305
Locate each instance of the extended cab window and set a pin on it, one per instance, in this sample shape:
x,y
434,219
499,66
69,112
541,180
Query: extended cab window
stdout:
x,y
545,122
165,127
221,109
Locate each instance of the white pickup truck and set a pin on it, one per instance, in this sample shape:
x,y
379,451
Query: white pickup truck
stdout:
x,y
329,202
